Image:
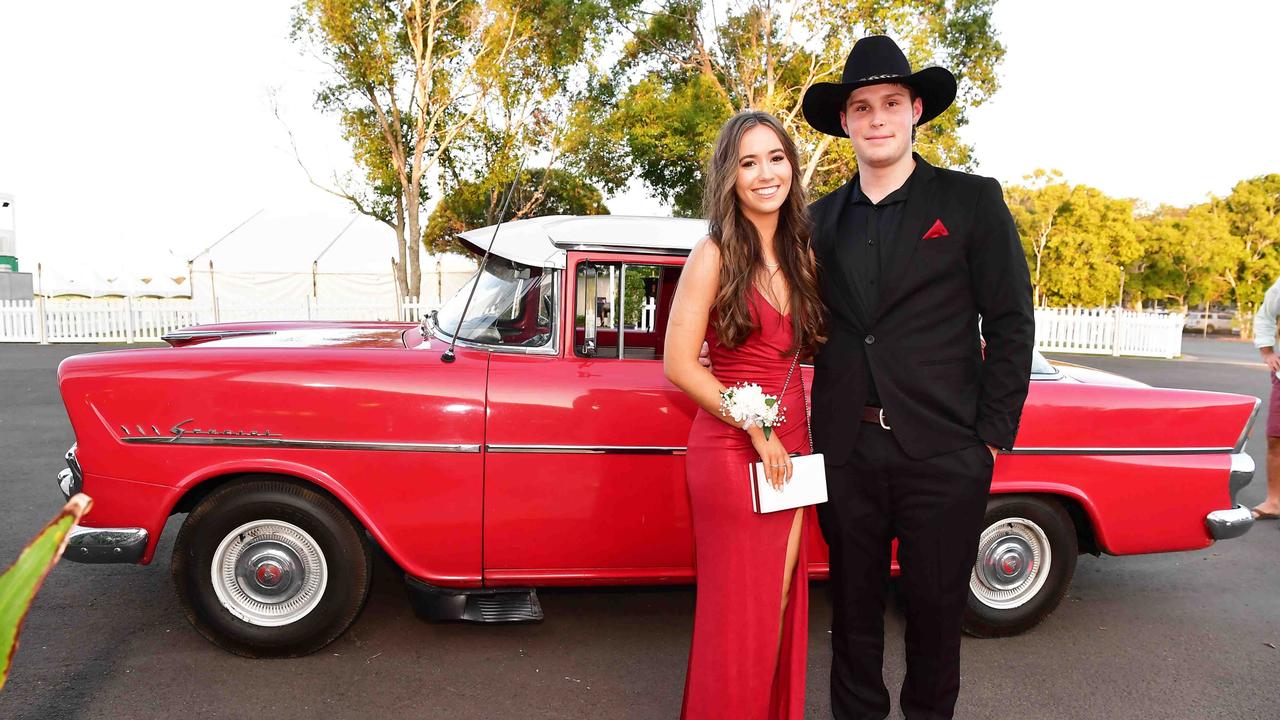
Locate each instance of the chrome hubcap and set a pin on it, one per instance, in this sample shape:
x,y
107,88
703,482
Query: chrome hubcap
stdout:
x,y
269,573
1013,563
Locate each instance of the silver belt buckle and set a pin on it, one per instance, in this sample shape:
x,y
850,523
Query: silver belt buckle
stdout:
x,y
886,427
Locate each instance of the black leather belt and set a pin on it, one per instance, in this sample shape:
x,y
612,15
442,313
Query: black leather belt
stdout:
x,y
872,414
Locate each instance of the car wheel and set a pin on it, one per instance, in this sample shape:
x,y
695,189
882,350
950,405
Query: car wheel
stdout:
x,y
1211,329
270,568
1026,557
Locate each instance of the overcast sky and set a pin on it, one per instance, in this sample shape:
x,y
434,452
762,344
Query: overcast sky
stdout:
x,y
138,133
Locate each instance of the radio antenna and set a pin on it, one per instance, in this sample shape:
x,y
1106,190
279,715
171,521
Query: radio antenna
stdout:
x,y
448,356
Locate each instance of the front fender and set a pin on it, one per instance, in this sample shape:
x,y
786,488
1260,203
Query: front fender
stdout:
x,y
394,435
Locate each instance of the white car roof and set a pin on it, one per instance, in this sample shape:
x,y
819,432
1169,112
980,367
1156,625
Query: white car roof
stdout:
x,y
544,241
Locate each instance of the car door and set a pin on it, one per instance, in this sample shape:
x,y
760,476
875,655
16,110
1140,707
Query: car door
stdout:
x,y
584,468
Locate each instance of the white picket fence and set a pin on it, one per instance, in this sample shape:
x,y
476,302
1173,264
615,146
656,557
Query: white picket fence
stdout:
x,y
128,320
1108,331
1090,331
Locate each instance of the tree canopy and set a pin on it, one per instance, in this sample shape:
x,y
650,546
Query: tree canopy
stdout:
x,y
477,203
1085,248
687,65
429,89
442,100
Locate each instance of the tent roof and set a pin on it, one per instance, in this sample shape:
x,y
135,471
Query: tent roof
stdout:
x,y
274,242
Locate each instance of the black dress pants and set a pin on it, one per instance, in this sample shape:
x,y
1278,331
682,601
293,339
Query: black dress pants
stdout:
x,y
935,508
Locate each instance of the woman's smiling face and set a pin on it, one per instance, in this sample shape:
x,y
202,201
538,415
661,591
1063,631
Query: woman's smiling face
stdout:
x,y
764,173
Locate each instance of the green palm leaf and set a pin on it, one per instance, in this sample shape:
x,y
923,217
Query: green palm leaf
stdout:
x,y
20,582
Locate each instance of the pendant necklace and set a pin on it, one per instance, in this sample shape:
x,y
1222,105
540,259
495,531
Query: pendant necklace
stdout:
x,y
769,284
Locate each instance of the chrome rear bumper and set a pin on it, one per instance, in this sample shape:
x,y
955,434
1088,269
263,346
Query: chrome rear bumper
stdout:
x,y
105,545
1226,524
1242,468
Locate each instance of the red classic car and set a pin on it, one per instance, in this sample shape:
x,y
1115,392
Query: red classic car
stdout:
x,y
547,449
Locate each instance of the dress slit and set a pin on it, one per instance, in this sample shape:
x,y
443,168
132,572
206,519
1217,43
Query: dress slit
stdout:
x,y
781,690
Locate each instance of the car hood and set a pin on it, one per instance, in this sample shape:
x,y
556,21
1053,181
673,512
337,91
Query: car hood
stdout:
x,y
300,334
1092,376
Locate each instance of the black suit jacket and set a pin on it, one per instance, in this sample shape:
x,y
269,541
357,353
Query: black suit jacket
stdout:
x,y
922,345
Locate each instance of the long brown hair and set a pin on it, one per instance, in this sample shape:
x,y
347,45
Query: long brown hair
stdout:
x,y
739,243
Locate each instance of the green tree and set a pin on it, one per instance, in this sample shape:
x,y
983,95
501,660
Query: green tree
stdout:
x,y
1187,252
1081,245
687,65
1099,242
1253,212
528,115
416,84
1037,208
476,204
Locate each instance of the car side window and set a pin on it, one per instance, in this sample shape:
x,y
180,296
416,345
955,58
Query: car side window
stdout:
x,y
621,309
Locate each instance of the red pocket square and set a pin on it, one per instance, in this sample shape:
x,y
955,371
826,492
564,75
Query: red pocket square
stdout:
x,y
938,230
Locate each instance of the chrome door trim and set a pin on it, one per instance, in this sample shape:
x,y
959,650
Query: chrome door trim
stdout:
x,y
590,291
621,319
586,449
306,444
632,250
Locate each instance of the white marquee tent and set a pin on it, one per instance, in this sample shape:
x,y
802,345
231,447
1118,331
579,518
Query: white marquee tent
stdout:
x,y
274,259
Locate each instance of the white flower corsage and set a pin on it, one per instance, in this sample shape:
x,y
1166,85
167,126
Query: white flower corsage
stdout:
x,y
748,405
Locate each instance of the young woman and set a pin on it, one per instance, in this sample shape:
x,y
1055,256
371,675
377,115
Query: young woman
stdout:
x,y
749,289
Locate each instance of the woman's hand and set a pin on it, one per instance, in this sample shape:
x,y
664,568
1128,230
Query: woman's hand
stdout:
x,y
777,462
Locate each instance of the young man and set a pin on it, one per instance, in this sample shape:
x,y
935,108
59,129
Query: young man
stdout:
x,y
1264,337
906,408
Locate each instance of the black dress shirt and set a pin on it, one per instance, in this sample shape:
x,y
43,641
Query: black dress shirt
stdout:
x,y
868,226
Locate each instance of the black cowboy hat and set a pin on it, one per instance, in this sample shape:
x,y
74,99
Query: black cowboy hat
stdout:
x,y
875,60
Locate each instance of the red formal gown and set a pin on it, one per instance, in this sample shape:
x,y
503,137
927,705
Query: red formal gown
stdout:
x,y
736,669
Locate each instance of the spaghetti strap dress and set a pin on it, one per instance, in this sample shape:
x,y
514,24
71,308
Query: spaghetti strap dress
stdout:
x,y
737,667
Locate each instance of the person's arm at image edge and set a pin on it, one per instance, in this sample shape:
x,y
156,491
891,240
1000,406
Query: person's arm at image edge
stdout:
x,y
1264,328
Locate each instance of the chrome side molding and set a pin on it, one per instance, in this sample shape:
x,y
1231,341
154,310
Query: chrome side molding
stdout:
x,y
586,449
236,441
1025,450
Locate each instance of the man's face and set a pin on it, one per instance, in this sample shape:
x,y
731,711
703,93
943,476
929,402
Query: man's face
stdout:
x,y
879,119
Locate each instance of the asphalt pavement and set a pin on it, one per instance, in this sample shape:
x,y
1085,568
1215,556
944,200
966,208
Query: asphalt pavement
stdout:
x,y
1173,636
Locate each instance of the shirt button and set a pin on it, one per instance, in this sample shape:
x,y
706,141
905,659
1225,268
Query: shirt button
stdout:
x,y
869,339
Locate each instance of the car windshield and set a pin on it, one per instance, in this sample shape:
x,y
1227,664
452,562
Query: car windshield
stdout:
x,y
512,306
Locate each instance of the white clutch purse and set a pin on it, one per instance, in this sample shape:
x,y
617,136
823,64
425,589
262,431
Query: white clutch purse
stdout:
x,y
807,486
808,483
